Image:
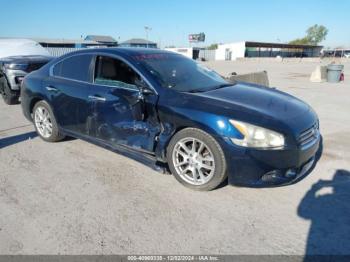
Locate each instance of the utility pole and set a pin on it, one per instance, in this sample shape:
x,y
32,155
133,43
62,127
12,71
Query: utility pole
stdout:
x,y
147,29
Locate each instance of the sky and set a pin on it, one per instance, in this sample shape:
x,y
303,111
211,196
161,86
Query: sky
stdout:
x,y
223,21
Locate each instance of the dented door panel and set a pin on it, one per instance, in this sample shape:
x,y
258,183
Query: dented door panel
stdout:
x,y
124,118
69,102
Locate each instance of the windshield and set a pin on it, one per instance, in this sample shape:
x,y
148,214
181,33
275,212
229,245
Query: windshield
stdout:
x,y
180,73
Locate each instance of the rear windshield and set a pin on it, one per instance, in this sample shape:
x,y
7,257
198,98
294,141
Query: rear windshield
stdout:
x,y
180,73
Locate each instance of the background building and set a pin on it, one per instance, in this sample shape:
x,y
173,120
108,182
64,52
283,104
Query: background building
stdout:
x,y
58,46
260,49
190,52
102,39
337,52
138,42
65,43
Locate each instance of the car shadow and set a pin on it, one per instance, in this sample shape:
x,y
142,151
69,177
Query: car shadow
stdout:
x,y
8,141
327,206
68,138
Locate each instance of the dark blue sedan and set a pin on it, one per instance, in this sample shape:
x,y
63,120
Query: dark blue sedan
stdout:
x,y
170,112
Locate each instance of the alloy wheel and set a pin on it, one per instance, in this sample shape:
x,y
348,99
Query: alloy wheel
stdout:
x,y
193,161
43,122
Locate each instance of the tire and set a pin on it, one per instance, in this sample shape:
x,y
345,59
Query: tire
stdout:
x,y
43,119
10,97
202,167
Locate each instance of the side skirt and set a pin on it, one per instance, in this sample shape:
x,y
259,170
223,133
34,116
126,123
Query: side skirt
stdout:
x,y
147,159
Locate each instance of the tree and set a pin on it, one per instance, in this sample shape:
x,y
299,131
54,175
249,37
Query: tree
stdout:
x,y
213,47
300,41
314,35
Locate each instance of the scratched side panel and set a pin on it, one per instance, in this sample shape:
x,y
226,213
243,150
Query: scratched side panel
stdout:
x,y
124,119
180,110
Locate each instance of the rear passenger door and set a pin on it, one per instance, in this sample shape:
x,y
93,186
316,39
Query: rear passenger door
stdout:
x,y
68,88
122,114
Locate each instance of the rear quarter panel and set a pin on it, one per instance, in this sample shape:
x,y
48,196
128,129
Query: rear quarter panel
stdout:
x,y
32,92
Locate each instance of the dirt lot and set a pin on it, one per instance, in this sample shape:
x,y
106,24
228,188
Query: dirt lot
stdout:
x,y
76,198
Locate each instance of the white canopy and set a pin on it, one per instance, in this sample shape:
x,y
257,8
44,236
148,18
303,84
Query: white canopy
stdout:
x,y
21,47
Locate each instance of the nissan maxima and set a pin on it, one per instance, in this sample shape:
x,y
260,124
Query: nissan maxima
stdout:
x,y
174,114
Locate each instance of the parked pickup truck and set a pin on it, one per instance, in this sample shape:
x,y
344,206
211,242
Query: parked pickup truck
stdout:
x,y
18,57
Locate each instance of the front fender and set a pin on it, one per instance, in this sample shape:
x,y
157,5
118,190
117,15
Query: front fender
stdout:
x,y
174,119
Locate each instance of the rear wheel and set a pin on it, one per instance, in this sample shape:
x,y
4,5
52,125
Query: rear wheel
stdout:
x,y
196,160
10,97
45,122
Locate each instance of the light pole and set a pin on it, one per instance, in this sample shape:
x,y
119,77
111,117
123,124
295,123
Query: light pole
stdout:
x,y
147,29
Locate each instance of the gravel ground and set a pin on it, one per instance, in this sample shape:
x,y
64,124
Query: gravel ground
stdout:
x,y
73,197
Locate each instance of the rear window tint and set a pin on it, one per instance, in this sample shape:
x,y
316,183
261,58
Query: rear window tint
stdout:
x,y
75,67
57,69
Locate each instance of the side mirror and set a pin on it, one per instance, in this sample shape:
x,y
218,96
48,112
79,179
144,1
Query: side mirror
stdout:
x,y
144,89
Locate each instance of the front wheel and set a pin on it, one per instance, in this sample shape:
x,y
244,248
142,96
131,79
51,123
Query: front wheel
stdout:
x,y
45,122
10,97
196,159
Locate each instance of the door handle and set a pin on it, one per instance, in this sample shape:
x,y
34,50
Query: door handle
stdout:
x,y
98,98
51,89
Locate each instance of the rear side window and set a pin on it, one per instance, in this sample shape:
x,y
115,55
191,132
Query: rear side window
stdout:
x,y
75,67
113,72
57,69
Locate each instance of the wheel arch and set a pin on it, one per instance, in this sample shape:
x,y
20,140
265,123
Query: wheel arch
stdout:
x,y
55,135
34,100
171,130
218,170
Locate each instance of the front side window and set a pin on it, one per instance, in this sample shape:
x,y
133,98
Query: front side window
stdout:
x,y
75,67
113,72
180,73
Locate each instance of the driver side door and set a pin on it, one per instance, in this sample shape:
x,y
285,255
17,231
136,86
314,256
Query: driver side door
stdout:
x,y
121,113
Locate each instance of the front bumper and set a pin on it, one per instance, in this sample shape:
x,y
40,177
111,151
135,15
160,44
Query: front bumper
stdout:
x,y
15,78
263,168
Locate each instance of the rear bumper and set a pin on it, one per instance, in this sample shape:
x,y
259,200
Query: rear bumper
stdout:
x,y
263,168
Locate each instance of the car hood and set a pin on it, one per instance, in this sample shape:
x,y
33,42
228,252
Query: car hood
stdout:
x,y
258,105
268,102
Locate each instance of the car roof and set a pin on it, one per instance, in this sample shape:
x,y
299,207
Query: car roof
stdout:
x,y
131,51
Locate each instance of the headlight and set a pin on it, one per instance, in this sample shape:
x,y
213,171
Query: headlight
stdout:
x,y
255,136
16,66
